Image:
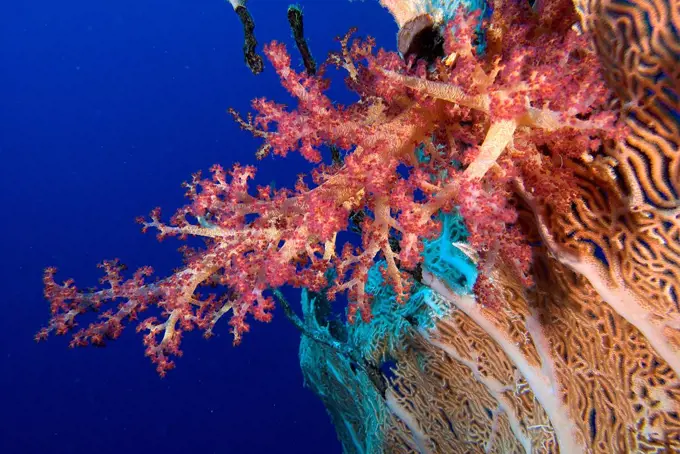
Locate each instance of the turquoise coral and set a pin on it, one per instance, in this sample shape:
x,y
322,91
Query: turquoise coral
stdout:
x,y
354,398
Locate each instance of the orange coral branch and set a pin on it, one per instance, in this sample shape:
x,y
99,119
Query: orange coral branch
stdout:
x,y
492,384
542,386
612,288
419,437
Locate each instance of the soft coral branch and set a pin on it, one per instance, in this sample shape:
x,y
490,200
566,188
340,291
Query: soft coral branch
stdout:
x,y
465,114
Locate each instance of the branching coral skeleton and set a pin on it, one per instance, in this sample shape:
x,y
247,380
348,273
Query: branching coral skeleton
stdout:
x,y
607,281
543,386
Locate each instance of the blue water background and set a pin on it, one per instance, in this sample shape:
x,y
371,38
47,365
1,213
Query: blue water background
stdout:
x,y
105,108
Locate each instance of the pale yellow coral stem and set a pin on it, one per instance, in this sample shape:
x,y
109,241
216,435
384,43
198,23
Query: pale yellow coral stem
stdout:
x,y
441,90
497,138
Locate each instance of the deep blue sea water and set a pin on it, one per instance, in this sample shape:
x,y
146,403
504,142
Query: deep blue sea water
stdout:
x,y
105,109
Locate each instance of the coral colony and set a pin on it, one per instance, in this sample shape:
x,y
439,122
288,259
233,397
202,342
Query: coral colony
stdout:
x,y
512,176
